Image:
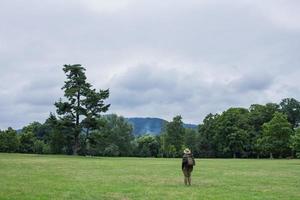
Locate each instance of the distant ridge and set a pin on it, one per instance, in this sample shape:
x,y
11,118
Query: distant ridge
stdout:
x,y
148,125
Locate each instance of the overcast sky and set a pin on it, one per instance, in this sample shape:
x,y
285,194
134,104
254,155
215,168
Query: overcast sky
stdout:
x,y
160,58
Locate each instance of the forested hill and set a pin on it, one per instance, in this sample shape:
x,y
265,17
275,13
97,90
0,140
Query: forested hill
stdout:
x,y
150,125
147,125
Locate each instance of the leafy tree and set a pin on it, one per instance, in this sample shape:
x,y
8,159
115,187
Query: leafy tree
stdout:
x,y
190,139
57,142
291,107
171,151
97,143
112,130
36,128
56,134
147,145
295,142
259,114
83,104
175,135
40,147
233,132
237,141
162,144
27,140
9,141
28,137
112,150
276,136
205,141
144,152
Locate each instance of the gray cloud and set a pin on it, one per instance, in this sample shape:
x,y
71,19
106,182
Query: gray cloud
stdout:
x,y
171,92
159,58
252,82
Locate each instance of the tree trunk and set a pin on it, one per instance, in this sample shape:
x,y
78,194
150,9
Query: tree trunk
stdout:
x,y
76,146
77,129
234,155
86,140
293,154
76,141
78,106
271,156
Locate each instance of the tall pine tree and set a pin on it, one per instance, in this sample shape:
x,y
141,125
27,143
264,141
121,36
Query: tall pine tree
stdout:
x,y
82,104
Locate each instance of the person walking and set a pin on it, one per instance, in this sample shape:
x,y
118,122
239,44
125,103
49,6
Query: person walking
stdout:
x,y
188,162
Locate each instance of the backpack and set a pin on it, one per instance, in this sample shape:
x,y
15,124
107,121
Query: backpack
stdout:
x,y
190,161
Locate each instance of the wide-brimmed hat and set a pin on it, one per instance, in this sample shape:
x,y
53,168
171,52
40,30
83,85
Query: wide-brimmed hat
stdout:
x,y
187,151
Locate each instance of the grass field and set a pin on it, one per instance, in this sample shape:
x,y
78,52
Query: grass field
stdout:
x,y
70,177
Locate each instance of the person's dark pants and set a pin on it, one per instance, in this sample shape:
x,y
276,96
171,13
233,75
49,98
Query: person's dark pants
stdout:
x,y
187,172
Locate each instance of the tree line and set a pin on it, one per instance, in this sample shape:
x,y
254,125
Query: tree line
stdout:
x,y
79,128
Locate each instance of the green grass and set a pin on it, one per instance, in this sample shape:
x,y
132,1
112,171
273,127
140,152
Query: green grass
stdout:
x,y
70,177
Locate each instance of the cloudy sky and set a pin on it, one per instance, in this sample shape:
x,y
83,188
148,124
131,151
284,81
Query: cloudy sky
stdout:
x,y
159,58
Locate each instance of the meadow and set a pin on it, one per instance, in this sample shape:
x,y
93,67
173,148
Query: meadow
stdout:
x,y
25,176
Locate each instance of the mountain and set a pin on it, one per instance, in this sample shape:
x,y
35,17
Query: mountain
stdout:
x,y
152,126
147,125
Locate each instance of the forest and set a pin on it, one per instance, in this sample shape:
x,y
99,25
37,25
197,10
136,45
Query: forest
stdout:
x,y
80,127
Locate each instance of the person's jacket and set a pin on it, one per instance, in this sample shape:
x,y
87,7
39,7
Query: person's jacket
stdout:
x,y
185,161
